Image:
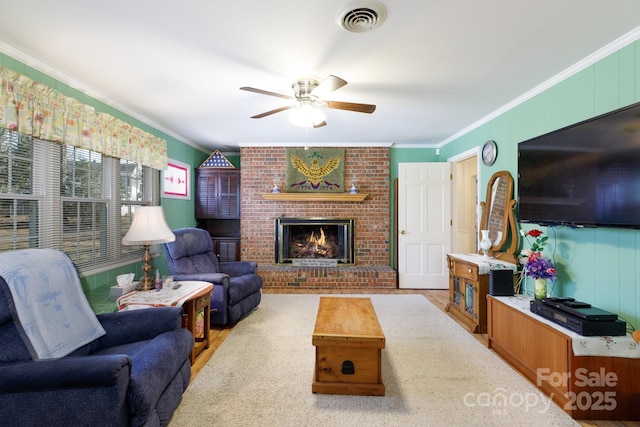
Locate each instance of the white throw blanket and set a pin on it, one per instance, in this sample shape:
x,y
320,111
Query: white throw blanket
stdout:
x,y
52,311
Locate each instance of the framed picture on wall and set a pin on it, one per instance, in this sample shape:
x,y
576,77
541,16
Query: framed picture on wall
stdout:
x,y
318,170
176,180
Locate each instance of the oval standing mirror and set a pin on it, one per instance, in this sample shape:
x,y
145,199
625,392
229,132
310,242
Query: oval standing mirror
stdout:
x,y
498,217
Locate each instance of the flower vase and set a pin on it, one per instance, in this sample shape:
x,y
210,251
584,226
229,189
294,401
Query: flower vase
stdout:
x,y
485,242
540,288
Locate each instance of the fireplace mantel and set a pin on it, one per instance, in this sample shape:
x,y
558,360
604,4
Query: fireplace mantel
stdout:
x,y
315,197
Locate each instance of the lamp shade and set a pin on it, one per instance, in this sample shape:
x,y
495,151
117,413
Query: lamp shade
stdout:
x,y
148,227
306,115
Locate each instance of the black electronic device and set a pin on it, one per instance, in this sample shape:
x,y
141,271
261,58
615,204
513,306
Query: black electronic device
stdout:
x,y
582,310
572,175
577,304
580,326
558,299
501,282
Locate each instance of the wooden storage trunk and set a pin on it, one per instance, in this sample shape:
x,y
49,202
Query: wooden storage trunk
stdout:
x,y
349,343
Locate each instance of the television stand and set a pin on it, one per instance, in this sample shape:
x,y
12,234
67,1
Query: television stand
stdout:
x,y
585,387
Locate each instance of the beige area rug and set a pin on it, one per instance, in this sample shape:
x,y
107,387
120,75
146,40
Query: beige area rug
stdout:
x,y
435,373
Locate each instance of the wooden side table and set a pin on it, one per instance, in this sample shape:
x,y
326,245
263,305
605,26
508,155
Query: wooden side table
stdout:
x,y
197,319
193,296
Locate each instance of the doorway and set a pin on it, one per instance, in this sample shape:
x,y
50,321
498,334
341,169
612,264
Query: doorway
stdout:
x,y
424,225
465,204
421,256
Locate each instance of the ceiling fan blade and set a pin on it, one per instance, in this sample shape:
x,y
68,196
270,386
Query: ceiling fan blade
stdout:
x,y
268,113
351,106
328,85
265,92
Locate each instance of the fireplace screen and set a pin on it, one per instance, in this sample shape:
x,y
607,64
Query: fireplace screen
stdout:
x,y
314,238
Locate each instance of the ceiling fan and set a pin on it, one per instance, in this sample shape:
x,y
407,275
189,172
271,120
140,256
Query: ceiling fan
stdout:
x,y
309,94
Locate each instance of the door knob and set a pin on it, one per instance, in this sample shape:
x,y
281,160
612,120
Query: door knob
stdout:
x,y
402,231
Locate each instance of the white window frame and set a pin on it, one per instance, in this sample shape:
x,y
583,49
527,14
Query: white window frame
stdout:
x,y
46,183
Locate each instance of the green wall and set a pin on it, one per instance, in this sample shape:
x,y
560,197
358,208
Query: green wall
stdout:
x,y
602,265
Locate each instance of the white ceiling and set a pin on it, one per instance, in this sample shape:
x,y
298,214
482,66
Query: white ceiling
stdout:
x,y
434,68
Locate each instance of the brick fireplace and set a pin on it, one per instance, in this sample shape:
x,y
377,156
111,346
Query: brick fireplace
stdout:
x,y
368,167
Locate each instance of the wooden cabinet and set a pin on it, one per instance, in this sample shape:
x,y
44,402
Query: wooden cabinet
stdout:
x,y
227,248
468,294
218,209
469,280
218,194
582,386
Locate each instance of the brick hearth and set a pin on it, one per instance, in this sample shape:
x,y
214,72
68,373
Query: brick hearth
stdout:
x,y
260,166
346,277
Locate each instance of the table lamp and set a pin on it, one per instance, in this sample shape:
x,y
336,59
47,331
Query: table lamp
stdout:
x,y
148,228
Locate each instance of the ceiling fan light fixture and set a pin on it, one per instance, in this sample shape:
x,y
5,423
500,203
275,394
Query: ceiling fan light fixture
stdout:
x,y
361,16
306,115
303,86
309,94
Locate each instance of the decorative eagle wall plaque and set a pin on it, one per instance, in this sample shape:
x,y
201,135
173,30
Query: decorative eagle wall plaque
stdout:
x,y
316,170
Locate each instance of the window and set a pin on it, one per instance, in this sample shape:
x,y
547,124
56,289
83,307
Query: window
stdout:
x,y
71,199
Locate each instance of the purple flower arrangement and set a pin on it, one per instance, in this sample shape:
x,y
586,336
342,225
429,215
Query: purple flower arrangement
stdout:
x,y
539,267
535,264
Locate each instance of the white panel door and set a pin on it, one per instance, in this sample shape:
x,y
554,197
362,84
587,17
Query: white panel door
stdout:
x,y
424,225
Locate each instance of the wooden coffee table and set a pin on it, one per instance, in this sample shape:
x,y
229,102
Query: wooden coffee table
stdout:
x,y
349,343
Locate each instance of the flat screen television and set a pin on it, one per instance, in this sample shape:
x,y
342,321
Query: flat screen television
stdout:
x,y
584,175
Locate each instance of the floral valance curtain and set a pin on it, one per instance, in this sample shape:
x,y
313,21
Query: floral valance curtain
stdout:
x,y
38,110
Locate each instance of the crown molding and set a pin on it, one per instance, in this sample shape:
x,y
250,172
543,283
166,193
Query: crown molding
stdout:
x,y
74,84
315,144
416,145
598,55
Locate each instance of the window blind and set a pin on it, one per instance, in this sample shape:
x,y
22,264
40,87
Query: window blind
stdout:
x,y
69,198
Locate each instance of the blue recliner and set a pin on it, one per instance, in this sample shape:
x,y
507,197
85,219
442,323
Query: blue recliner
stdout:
x,y
237,288
133,374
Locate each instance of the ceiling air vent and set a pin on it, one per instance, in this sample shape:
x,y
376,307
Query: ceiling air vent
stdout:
x,y
361,16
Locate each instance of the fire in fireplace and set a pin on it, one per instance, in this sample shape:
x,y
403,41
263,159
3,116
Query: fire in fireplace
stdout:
x,y
314,238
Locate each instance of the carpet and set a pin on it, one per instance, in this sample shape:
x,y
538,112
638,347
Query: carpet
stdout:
x,y
435,374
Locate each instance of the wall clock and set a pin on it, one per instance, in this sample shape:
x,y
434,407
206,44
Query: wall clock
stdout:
x,y
489,152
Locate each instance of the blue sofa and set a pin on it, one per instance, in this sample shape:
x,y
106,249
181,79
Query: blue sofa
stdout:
x,y
132,375
237,287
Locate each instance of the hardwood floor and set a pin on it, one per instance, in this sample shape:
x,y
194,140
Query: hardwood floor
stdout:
x,y
439,298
